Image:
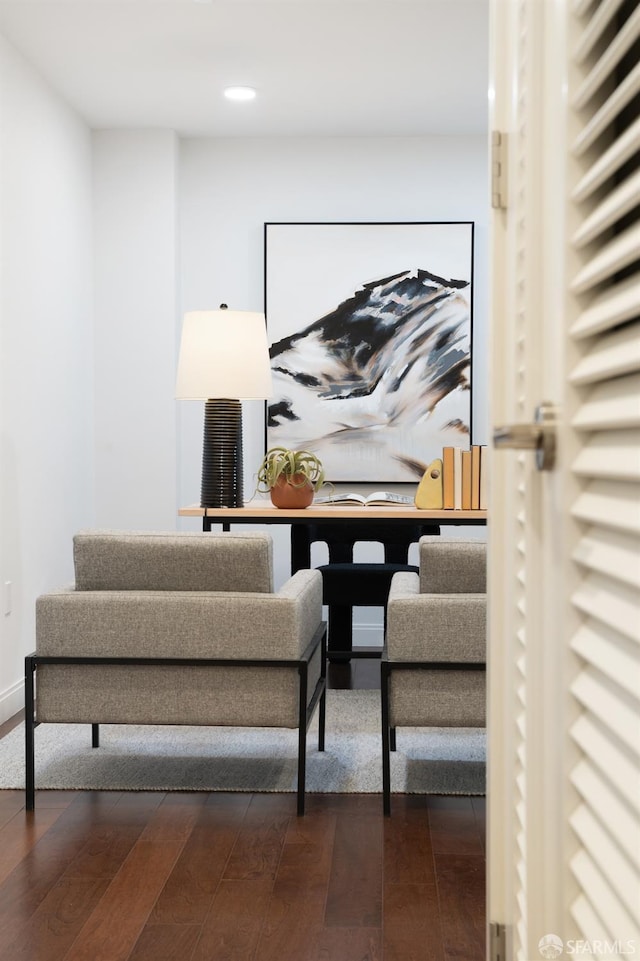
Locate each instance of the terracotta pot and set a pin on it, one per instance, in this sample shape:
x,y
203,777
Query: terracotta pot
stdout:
x,y
293,496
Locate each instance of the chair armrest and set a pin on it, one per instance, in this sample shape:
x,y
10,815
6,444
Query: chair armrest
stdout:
x,y
304,589
181,623
404,584
436,627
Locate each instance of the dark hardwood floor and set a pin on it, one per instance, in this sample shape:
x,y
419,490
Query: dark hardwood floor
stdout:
x,y
111,876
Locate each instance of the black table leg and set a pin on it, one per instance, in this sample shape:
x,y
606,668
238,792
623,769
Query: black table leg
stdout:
x,y
300,548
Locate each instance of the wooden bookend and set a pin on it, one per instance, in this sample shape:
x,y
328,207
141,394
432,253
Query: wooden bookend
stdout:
x,y
429,492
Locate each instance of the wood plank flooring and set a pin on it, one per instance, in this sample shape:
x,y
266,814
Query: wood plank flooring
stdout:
x,y
116,876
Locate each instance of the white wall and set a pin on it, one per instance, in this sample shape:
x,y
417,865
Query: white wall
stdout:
x,y
88,415
135,180
46,369
229,188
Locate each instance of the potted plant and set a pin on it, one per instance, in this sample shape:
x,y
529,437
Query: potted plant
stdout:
x,y
290,476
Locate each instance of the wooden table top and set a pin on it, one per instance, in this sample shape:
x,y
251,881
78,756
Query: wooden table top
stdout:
x,y
263,510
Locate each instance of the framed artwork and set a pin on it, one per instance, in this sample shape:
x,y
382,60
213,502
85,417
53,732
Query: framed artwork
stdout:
x,y
370,331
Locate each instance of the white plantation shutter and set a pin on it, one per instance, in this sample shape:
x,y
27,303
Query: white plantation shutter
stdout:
x,y
564,557
604,86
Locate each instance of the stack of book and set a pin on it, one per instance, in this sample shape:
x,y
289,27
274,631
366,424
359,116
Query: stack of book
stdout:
x,y
464,478
457,481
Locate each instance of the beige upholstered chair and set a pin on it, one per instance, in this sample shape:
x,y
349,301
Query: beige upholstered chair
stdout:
x,y
178,629
433,665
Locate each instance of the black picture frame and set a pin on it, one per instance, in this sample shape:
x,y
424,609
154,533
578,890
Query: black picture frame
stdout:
x,y
370,328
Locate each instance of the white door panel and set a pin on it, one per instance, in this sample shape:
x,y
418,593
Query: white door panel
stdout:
x,y
564,623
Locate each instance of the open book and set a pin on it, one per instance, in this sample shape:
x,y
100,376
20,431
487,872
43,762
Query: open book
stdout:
x,y
377,499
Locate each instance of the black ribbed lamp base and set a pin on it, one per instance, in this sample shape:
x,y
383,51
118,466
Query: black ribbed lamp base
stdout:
x,y
222,481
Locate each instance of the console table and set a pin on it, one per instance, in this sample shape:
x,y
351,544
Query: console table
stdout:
x,y
261,511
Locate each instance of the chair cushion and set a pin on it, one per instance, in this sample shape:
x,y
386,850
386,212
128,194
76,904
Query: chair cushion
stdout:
x,y
359,585
157,561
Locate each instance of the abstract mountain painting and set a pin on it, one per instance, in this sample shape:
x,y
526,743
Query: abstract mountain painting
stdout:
x,y
380,383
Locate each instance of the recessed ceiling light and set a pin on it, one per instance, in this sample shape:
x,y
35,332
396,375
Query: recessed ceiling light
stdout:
x,y
240,93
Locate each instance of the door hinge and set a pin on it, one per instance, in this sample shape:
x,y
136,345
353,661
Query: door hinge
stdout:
x,y
497,941
498,169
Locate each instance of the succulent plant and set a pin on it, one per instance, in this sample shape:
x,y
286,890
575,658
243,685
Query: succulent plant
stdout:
x,y
297,467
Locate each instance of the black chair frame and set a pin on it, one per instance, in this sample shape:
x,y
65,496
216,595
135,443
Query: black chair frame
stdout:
x,y
389,733
305,712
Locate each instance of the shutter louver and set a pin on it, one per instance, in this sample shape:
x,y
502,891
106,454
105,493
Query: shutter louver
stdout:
x,y
615,305
606,329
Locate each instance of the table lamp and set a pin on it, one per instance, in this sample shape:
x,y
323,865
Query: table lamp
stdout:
x,y
224,357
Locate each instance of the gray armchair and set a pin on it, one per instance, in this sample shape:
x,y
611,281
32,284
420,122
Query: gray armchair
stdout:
x,y
177,629
434,661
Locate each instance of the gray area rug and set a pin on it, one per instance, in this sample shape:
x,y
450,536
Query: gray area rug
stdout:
x,y
146,758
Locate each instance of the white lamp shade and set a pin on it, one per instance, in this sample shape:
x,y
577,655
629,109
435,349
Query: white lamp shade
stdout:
x,y
224,354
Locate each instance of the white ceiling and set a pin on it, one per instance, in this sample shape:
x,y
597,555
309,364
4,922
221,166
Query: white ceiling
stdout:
x,y
321,67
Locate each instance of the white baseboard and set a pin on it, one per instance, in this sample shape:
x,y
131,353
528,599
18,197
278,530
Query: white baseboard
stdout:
x,y
11,701
367,635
